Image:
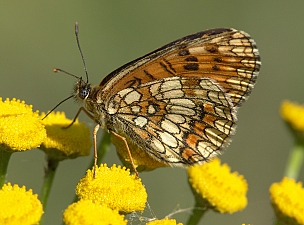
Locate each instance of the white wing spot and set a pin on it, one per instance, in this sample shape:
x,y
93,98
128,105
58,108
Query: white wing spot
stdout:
x,y
173,94
112,108
170,85
168,139
170,127
123,92
131,97
175,118
140,121
154,89
157,145
183,102
175,109
135,109
151,109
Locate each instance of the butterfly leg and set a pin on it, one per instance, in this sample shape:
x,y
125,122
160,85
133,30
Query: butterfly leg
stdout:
x,y
96,128
128,150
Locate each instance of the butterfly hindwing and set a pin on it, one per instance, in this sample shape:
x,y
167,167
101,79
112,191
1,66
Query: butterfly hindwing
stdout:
x,y
178,120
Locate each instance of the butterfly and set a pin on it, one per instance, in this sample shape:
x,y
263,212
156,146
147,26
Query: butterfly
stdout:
x,y
179,102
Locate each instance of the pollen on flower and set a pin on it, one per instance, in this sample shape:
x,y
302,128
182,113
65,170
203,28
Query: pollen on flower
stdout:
x,y
18,206
64,143
142,160
113,187
224,191
20,128
165,221
293,114
287,198
87,212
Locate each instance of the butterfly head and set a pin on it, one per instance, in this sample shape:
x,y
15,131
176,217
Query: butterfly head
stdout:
x,y
82,90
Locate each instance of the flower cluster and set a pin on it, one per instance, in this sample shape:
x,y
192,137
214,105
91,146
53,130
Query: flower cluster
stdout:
x,y
111,191
293,114
18,206
224,191
113,187
20,128
87,212
287,198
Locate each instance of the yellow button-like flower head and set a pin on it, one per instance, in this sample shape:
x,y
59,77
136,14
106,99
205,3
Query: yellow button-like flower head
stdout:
x,y
224,191
113,187
18,206
88,213
61,142
20,128
293,114
287,198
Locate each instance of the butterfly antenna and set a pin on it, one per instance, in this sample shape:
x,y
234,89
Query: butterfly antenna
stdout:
x,y
79,48
56,70
57,106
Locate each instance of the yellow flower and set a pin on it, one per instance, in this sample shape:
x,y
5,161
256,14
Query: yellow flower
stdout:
x,y
61,142
224,191
293,114
20,128
113,187
18,206
165,221
142,160
88,213
287,198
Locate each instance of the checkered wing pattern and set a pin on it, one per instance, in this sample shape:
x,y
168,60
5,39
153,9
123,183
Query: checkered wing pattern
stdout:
x,y
177,120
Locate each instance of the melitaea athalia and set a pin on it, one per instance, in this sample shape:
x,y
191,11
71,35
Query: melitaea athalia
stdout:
x,y
179,102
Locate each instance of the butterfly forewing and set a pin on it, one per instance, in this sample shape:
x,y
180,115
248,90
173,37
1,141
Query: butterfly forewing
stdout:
x,y
227,56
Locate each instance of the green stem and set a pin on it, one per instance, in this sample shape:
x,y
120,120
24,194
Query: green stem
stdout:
x,y
4,161
281,221
295,161
197,214
47,183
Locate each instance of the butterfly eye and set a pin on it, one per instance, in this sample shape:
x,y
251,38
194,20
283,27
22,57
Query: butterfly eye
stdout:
x,y
84,92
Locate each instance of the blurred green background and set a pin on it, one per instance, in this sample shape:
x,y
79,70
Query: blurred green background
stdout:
x,y
37,36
